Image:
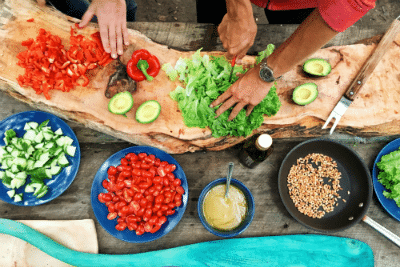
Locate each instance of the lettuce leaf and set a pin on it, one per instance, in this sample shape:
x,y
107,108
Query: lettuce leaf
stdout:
x,y
204,79
389,176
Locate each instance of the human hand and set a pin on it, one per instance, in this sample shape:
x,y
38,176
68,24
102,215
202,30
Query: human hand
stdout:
x,y
248,91
237,34
111,15
41,2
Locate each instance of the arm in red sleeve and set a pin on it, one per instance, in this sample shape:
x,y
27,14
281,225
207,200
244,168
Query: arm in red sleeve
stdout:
x,y
341,14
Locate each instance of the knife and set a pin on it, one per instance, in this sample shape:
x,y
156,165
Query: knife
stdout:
x,y
363,75
233,66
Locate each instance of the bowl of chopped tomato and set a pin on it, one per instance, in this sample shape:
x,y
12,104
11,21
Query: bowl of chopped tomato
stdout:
x,y
139,194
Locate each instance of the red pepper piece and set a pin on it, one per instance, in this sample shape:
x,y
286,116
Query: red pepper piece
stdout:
x,y
30,20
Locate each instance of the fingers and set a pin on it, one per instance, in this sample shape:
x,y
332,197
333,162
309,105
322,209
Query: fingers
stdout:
x,y
87,17
239,106
225,106
249,109
227,94
125,34
104,36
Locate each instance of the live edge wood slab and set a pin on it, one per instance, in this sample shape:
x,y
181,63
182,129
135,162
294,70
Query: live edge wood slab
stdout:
x,y
377,104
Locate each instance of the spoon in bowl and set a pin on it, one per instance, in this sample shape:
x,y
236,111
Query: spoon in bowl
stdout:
x,y
228,178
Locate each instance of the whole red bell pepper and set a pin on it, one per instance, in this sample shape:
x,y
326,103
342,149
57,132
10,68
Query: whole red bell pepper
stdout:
x,y
143,65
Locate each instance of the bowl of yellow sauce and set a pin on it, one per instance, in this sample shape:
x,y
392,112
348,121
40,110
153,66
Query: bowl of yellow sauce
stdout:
x,y
226,217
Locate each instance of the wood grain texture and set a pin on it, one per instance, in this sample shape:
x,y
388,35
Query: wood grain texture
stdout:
x,y
371,63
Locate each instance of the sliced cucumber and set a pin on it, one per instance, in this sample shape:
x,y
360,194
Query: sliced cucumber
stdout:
x,y
11,193
18,197
148,111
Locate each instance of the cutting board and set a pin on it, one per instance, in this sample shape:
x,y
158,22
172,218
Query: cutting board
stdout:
x,y
374,112
79,235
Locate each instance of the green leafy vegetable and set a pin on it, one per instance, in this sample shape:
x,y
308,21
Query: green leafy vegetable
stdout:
x,y
265,53
204,79
389,176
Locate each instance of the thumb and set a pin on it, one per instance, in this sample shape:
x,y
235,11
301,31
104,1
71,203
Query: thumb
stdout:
x,y
87,16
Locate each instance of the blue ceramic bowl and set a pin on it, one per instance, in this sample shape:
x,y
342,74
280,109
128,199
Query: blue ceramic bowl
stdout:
x,y
249,215
388,204
101,211
60,182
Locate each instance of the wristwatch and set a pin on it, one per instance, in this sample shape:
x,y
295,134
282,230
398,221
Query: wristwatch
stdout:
x,y
266,73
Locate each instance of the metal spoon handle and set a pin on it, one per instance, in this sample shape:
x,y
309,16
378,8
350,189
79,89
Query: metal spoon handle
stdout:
x,y
391,236
228,178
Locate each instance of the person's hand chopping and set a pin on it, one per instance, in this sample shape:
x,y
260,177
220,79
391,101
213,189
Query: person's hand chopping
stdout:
x,y
237,31
111,15
248,91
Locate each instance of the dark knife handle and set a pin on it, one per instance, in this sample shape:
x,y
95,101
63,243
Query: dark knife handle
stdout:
x,y
373,60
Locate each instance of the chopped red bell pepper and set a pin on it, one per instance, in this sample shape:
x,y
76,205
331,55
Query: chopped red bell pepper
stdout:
x,y
143,65
48,65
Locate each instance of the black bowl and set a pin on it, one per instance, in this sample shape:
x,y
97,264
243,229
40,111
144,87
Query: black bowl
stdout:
x,y
356,182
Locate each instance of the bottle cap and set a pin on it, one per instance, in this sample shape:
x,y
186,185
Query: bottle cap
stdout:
x,y
264,141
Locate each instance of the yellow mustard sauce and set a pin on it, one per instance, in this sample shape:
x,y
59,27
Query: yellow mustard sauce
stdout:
x,y
224,213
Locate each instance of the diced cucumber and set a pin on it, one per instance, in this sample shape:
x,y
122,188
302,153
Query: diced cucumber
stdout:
x,y
18,197
40,189
21,176
10,174
48,135
17,183
70,150
62,160
29,135
55,170
21,163
11,193
39,137
29,189
40,145
40,153
58,131
33,124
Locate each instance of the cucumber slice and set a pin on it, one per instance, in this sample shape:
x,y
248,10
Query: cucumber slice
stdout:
x,y
55,170
148,111
121,103
70,150
18,197
11,193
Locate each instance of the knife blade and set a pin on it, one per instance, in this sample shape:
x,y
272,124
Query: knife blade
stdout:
x,y
233,66
363,75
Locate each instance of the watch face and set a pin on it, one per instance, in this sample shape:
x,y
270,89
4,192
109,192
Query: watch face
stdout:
x,y
266,74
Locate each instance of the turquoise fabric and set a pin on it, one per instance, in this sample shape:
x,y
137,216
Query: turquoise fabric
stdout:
x,y
286,250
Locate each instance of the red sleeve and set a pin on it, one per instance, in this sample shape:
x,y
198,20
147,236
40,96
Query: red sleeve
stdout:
x,y
341,14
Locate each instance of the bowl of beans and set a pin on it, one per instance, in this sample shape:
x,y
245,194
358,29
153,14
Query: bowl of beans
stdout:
x,y
139,194
325,185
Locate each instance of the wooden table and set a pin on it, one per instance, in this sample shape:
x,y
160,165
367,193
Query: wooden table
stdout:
x,y
271,217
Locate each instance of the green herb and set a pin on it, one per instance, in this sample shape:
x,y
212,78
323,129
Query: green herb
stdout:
x,y
204,79
389,177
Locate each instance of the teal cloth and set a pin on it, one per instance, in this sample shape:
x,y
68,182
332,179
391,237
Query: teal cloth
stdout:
x,y
286,250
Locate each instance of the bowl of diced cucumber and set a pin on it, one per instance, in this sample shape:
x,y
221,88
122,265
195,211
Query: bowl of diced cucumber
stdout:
x,y
39,158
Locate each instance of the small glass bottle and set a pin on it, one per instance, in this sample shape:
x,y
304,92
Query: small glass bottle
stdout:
x,y
256,150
